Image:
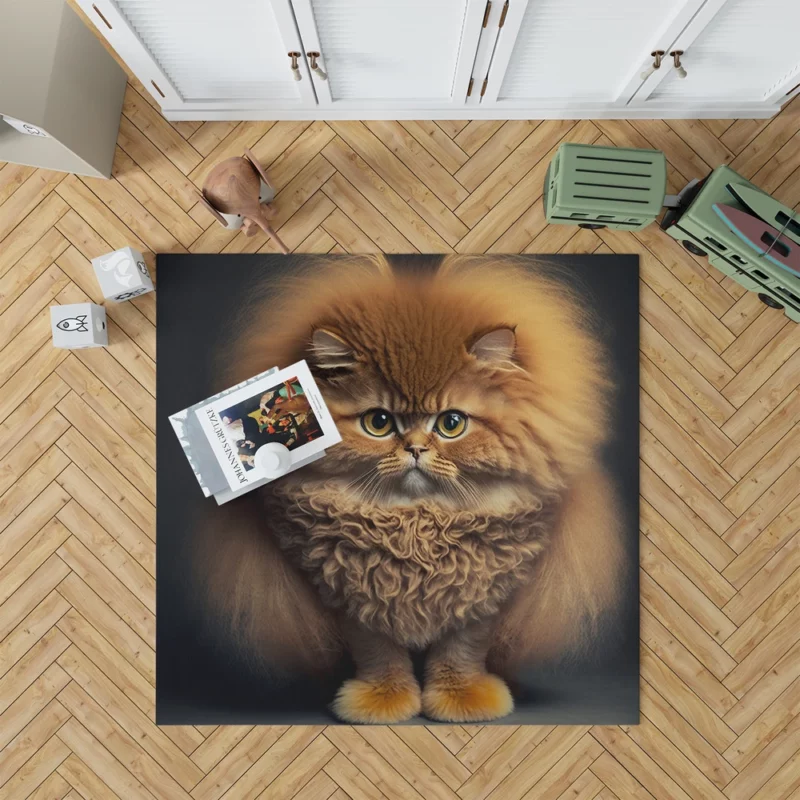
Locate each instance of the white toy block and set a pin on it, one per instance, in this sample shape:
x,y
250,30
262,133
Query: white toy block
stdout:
x,y
122,274
24,127
78,325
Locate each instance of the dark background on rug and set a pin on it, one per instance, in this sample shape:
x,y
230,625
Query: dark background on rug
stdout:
x,y
199,682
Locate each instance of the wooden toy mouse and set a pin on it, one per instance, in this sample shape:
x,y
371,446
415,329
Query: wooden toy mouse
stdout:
x,y
234,189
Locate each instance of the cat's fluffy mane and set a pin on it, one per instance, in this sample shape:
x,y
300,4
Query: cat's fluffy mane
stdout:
x,y
268,605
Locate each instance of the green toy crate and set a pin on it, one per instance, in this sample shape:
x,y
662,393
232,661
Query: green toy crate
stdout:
x,y
701,231
598,187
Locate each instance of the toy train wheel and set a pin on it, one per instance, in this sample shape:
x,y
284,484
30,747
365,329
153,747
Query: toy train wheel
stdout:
x,y
592,226
693,248
769,301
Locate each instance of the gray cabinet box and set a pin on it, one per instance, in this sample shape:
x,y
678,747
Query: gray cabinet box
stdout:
x,y
58,78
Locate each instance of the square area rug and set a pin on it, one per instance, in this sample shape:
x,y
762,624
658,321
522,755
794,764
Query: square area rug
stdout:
x,y
467,553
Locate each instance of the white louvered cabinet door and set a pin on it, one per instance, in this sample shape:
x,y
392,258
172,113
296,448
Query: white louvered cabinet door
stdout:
x,y
385,54
557,54
735,51
208,54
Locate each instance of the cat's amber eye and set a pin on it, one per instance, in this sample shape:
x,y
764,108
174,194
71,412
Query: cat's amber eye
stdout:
x,y
450,424
377,422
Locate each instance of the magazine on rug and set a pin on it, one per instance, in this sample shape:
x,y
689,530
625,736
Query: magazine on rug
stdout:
x,y
284,408
279,410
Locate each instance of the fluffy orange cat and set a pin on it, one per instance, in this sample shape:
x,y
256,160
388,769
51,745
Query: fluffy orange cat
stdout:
x,y
465,511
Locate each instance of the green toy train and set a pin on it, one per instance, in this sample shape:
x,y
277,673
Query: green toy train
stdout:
x,y
745,233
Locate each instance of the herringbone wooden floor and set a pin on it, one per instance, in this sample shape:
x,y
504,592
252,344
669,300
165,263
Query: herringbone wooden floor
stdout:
x,y
720,506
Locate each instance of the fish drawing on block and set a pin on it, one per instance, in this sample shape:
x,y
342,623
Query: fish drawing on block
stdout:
x,y
77,324
763,238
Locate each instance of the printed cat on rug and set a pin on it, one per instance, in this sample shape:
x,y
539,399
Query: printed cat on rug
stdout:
x,y
465,511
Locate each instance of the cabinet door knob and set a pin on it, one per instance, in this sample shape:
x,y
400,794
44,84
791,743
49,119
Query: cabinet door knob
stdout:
x,y
315,68
295,67
676,60
657,56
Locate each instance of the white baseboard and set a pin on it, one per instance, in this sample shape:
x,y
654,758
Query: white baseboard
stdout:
x,y
650,111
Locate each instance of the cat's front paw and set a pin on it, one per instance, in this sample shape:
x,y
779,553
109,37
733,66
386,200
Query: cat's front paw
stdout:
x,y
381,702
453,697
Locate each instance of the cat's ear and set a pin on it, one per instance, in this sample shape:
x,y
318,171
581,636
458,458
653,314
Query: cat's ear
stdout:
x,y
496,346
330,351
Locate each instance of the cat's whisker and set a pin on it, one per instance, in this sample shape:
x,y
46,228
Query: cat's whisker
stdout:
x,y
460,491
373,488
380,492
361,478
470,490
371,485
368,486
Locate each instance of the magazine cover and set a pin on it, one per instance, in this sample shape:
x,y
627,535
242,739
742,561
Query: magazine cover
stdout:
x,y
284,407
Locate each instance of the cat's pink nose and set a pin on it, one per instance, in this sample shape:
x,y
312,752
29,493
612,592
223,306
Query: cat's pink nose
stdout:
x,y
415,450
